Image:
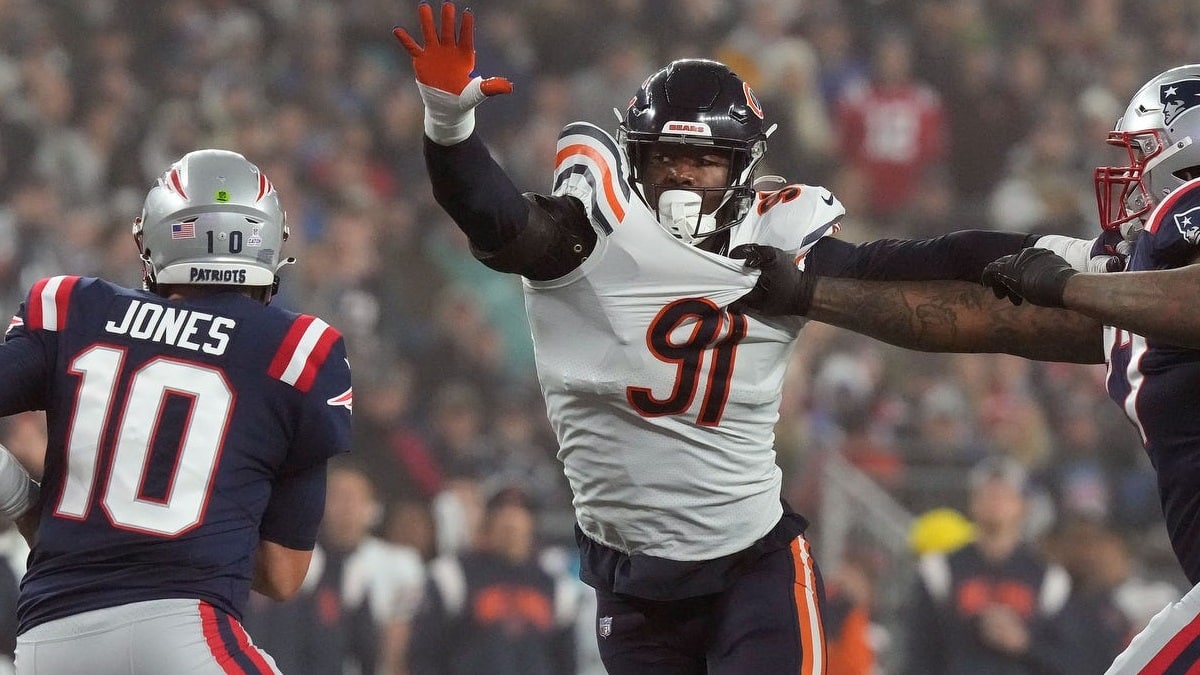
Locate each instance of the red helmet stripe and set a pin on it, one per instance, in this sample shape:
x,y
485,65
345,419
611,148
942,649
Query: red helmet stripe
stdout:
x,y
264,187
177,183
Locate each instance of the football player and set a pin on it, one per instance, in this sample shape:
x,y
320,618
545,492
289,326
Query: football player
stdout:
x,y
1151,334
189,424
663,399
1141,322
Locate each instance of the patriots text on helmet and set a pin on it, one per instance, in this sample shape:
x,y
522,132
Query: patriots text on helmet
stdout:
x,y
183,328
209,275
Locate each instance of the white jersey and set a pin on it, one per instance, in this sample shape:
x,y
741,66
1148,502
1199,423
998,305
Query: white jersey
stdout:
x,y
663,402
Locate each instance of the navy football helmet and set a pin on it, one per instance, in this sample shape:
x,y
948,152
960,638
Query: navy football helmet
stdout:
x,y
701,103
1158,130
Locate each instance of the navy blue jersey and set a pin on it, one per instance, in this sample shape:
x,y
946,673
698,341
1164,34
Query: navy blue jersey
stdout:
x,y
1158,385
955,589
179,435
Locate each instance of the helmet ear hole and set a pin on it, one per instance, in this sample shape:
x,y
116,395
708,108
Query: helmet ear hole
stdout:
x,y
1187,173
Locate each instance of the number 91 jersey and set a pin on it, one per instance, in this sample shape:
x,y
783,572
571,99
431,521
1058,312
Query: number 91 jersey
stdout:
x,y
179,434
664,402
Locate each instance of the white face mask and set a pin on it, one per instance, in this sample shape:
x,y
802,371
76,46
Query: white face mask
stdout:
x,y
679,213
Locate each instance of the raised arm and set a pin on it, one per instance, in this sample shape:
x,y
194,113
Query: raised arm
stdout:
x,y
467,182
537,237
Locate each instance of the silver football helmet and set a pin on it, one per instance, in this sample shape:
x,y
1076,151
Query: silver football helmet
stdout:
x,y
212,218
1160,131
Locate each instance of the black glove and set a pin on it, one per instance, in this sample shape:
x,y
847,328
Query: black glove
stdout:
x,y
782,289
1034,274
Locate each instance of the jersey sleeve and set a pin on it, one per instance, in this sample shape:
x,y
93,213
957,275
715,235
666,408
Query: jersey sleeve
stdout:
x,y
960,256
793,218
312,359
295,509
589,166
30,343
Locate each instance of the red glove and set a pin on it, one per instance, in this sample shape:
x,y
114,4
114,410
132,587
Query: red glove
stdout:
x,y
444,68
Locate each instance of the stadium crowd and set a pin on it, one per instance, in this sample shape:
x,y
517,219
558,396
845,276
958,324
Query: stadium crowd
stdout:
x,y
922,117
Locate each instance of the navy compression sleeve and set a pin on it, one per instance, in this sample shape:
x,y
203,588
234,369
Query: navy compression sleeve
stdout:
x,y
955,256
471,187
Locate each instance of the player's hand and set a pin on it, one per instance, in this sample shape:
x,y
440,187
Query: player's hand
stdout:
x,y
445,68
1002,628
1110,253
1034,274
782,288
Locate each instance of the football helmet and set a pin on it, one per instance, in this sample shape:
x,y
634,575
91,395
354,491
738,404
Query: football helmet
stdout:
x,y
1158,132
701,103
211,218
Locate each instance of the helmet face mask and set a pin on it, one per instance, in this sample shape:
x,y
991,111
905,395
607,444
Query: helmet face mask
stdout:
x,y
1157,133
211,219
703,105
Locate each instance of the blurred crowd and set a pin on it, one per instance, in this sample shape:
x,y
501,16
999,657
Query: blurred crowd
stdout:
x,y
922,117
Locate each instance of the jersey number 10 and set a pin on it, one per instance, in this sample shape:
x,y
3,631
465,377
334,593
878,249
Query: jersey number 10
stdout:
x,y
210,404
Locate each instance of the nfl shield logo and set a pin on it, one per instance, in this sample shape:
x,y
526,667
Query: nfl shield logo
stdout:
x,y
605,626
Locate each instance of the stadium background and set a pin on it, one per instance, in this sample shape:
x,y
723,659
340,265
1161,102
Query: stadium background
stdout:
x,y
1013,97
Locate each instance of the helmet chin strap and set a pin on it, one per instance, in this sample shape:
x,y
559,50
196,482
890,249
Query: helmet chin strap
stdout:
x,y
679,213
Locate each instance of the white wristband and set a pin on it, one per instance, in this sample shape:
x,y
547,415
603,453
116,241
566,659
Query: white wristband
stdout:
x,y
450,118
1077,252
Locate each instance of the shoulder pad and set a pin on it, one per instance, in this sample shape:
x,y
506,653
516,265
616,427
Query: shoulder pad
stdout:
x,y
792,218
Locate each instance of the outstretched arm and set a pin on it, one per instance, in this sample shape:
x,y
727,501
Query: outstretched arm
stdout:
x,y
1159,305
936,316
954,316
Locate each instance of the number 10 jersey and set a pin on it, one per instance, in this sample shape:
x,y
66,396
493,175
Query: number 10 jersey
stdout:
x,y
179,435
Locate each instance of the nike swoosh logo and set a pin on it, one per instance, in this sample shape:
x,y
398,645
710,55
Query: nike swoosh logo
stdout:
x,y
828,199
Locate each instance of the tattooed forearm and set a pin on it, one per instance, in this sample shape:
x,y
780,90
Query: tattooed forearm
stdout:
x,y
951,316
